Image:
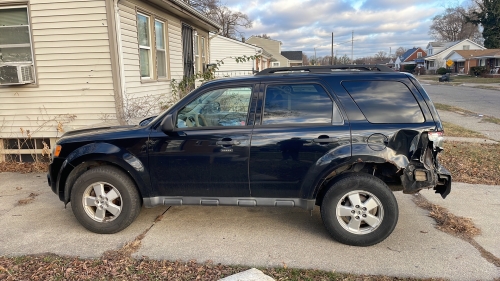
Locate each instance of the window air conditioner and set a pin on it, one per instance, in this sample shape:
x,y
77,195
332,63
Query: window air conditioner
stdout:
x,y
16,74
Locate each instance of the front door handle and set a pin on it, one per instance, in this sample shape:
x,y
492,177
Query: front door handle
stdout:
x,y
228,142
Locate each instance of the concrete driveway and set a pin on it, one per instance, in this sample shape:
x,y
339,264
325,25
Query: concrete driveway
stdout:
x,y
246,236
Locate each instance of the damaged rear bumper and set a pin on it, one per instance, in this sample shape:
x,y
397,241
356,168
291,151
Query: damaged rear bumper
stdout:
x,y
424,170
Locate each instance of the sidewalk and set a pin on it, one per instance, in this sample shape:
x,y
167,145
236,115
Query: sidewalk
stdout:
x,y
474,123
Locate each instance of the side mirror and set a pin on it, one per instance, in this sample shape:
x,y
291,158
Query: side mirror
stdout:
x,y
167,125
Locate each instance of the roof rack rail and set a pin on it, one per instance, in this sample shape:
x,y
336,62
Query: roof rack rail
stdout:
x,y
325,69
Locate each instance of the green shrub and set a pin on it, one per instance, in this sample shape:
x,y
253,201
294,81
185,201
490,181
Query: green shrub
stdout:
x,y
478,70
442,71
409,68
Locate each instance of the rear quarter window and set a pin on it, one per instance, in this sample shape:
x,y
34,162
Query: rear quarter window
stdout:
x,y
385,101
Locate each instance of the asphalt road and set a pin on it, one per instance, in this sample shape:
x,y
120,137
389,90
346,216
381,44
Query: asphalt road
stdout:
x,y
477,100
248,236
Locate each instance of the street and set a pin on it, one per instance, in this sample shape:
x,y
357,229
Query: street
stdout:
x,y
481,101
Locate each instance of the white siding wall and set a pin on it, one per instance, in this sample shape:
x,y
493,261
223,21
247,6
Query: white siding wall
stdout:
x,y
137,91
73,70
225,49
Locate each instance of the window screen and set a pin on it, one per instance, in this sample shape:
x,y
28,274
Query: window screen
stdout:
x,y
385,101
298,103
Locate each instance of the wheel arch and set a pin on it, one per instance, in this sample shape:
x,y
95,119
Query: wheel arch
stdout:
x,y
86,158
388,172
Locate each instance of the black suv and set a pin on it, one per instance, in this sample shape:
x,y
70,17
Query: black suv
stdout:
x,y
340,137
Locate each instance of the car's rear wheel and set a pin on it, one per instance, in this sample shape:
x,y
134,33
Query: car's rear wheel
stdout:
x,y
359,210
105,200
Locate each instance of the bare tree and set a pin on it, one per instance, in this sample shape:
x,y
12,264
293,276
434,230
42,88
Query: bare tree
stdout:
x,y
381,55
400,51
265,36
305,59
230,21
452,25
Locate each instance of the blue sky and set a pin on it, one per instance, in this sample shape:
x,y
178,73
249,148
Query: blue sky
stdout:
x,y
378,25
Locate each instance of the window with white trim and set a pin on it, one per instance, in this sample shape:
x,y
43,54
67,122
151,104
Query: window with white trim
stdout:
x,y
203,54
161,49
16,52
15,37
276,63
196,53
419,54
145,56
466,47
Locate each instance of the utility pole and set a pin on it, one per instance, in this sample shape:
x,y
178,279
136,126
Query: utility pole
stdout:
x,y
331,59
352,47
315,62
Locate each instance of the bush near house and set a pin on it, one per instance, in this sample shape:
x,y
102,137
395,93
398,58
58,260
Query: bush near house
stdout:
x,y
478,70
442,71
409,68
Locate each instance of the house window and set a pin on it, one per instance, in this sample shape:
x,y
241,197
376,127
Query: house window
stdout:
x,y
429,51
466,47
203,54
161,50
15,39
196,53
276,63
419,54
145,56
153,48
431,64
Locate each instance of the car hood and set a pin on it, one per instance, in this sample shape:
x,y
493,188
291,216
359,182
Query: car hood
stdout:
x,y
98,133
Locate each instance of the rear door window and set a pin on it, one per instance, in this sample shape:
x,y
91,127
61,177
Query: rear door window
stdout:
x,y
299,104
385,101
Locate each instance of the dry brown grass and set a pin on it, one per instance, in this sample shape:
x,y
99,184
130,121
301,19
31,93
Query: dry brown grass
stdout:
x,y
448,222
475,163
25,167
457,226
452,130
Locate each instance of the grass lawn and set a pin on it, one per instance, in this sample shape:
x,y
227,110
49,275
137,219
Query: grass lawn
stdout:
x,y
461,79
452,130
489,119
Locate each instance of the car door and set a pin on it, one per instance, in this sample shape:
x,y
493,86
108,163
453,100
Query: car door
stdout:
x,y
208,152
298,125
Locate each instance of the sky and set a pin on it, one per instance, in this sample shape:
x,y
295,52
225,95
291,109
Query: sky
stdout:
x,y
378,25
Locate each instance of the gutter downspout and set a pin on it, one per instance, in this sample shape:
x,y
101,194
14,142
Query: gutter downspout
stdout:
x,y
121,67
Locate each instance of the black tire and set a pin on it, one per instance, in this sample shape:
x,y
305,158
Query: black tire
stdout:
x,y
113,182
364,227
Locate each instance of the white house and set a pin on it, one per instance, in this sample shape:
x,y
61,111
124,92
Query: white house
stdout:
x,y
69,64
227,49
273,47
437,51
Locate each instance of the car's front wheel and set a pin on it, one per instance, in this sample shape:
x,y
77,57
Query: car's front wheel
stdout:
x,y
359,210
105,200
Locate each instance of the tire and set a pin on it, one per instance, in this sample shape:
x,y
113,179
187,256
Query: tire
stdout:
x,y
373,203
105,200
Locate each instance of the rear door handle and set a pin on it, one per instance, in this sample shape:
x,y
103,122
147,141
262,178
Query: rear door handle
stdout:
x,y
231,142
325,140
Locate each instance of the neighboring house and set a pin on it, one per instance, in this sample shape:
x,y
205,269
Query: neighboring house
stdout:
x,y
69,64
295,57
273,47
413,56
491,59
437,51
227,49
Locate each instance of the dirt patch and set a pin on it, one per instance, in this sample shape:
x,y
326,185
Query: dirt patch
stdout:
x,y
25,167
28,200
475,163
457,226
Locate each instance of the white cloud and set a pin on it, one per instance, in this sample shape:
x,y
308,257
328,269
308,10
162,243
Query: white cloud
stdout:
x,y
308,24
